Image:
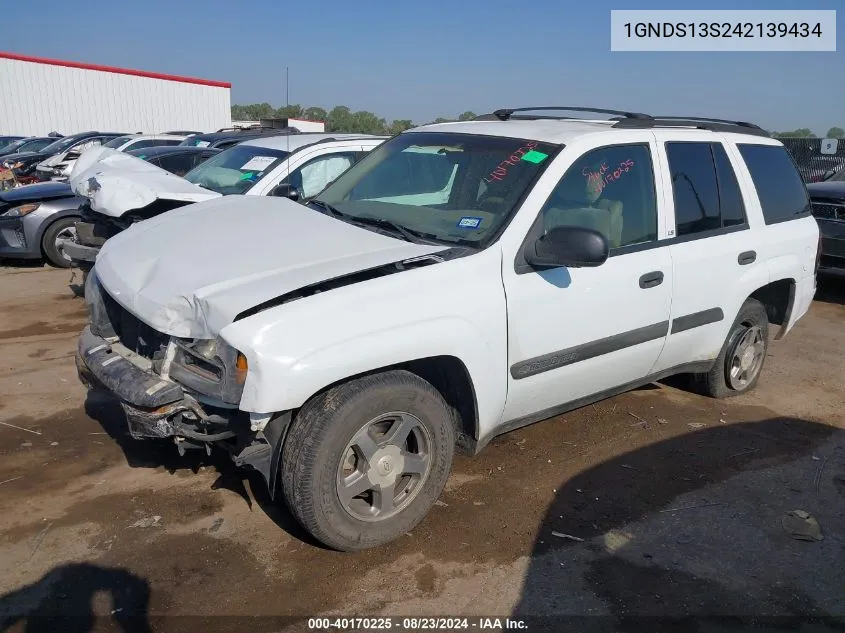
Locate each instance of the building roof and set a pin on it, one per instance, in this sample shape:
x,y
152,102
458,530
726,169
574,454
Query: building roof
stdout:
x,y
114,69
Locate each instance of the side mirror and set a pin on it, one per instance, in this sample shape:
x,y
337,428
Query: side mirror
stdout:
x,y
286,190
571,246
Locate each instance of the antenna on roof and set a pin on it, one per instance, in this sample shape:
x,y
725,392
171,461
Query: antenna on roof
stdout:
x,y
287,98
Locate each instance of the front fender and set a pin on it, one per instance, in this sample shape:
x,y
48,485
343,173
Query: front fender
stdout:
x,y
37,222
278,383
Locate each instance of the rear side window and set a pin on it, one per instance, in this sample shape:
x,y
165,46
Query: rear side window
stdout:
x,y
779,186
695,188
705,188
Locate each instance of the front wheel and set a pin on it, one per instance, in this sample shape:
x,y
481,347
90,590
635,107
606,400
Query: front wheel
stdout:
x,y
59,232
364,461
740,362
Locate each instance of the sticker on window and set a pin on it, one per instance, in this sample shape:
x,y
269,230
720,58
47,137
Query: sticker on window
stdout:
x,y
469,223
534,156
202,144
258,163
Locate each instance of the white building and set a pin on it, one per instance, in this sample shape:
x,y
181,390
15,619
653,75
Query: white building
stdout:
x,y
38,96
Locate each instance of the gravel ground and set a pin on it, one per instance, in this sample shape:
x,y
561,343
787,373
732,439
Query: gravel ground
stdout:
x,y
577,523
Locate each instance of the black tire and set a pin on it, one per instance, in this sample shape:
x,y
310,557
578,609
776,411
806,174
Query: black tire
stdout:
x,y
48,242
718,382
317,446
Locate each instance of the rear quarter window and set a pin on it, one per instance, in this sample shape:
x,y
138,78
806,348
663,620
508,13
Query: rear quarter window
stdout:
x,y
779,186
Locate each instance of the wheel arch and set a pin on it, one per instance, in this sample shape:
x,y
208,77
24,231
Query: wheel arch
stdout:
x,y
778,297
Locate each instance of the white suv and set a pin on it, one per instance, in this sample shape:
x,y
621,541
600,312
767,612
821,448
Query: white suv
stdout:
x,y
124,189
462,280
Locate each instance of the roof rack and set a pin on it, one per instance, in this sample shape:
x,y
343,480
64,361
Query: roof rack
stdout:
x,y
505,114
632,120
701,123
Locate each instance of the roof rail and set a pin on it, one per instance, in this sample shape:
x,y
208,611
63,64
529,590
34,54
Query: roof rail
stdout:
x,y
505,114
701,123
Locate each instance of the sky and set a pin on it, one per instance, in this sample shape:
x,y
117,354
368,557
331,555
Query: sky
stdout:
x,y
418,61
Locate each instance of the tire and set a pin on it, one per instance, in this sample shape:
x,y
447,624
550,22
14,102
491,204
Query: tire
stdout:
x,y
49,242
725,379
321,456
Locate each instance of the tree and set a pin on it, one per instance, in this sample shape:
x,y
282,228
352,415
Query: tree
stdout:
x,y
315,114
835,132
398,126
289,112
467,116
799,133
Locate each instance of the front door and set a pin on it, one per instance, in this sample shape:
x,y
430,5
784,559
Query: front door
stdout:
x,y
576,332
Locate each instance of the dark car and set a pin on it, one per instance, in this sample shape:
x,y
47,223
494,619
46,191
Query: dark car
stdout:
x,y
828,200
92,230
177,159
226,137
36,221
31,144
8,140
24,164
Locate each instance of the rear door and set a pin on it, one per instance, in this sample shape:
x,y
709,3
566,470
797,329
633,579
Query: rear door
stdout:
x,y
715,245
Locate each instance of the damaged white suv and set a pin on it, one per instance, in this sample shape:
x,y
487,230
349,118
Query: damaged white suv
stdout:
x,y
461,280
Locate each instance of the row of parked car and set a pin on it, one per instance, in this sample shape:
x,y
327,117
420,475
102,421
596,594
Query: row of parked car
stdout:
x,y
53,221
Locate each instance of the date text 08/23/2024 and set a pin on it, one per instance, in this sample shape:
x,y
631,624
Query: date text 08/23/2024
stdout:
x,y
417,624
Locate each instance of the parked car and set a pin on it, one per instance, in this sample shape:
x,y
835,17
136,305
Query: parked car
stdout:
x,y
818,168
5,141
183,132
24,164
828,200
292,166
227,137
142,141
36,220
59,166
31,144
461,281
176,159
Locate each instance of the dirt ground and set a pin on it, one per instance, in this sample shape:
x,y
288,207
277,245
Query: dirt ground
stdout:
x,y
672,503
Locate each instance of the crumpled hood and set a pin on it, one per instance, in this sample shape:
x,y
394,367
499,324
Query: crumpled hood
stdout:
x,y
189,272
116,182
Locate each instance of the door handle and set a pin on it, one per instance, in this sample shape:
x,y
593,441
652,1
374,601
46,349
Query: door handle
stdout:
x,y
652,279
748,257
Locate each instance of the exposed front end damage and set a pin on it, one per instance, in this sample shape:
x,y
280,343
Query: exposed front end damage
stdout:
x,y
118,354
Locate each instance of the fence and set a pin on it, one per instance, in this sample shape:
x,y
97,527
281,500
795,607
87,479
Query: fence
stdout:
x,y
811,162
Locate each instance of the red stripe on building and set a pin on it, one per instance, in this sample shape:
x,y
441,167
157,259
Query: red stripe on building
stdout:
x,y
114,69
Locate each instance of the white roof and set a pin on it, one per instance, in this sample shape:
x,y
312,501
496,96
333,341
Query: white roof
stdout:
x,y
290,142
560,131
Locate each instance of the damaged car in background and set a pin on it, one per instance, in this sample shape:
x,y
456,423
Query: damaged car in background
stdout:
x,y
123,190
37,221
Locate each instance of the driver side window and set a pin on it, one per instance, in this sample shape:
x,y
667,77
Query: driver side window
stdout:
x,y
315,175
611,190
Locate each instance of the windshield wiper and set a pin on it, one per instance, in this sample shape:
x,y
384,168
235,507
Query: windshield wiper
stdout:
x,y
328,207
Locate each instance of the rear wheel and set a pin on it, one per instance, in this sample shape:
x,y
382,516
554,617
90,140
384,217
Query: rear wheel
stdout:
x,y
59,232
364,461
740,362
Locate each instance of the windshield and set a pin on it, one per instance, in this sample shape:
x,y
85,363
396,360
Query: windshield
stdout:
x,y
9,146
59,146
459,188
236,169
115,143
34,146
